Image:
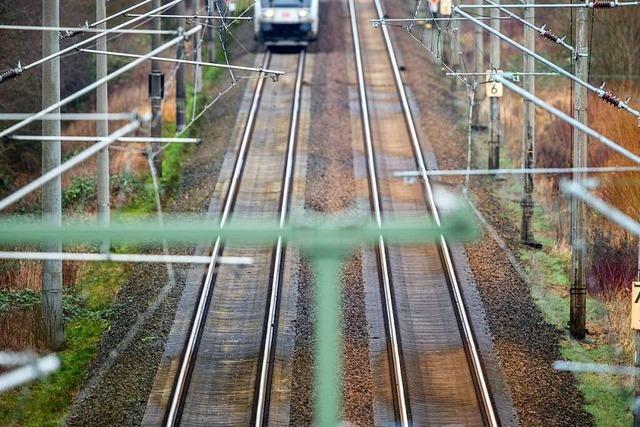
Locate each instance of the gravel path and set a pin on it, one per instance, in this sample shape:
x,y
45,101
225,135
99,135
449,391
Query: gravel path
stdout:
x,y
331,188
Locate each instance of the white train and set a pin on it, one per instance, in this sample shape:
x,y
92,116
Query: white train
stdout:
x,y
286,22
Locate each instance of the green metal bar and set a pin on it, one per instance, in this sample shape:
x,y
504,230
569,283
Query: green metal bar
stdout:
x,y
335,232
325,239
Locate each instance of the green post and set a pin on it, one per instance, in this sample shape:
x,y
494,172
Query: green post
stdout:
x,y
327,343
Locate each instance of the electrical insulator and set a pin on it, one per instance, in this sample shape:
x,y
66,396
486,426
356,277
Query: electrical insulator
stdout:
x,y
610,98
10,74
549,35
598,4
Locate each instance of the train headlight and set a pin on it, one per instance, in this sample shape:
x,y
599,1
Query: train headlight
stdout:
x,y
268,13
303,13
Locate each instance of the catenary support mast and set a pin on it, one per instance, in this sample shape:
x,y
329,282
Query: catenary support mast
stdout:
x,y
577,312
52,191
102,126
180,83
478,59
156,89
495,126
529,130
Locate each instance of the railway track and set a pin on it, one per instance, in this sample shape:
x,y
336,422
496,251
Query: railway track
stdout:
x,y
437,375
224,373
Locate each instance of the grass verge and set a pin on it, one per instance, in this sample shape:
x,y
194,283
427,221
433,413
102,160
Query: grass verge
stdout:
x,y
88,304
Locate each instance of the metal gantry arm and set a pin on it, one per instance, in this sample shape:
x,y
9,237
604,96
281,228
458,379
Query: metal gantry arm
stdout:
x,y
94,85
88,30
605,95
127,139
586,5
235,18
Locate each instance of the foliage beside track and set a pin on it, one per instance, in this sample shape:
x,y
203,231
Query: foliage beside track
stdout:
x,y
88,305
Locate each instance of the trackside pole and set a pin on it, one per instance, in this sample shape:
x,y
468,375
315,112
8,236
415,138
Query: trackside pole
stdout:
x,y
156,89
180,82
53,321
529,129
495,126
478,59
578,292
102,128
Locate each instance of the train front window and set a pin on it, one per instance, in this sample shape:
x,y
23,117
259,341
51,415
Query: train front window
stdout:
x,y
286,3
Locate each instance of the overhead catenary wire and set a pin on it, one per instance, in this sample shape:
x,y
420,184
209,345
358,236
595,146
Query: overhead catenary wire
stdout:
x,y
94,38
186,61
88,30
123,12
604,95
541,30
582,5
93,86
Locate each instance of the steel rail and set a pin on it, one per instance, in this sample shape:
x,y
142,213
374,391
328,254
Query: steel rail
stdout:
x,y
470,342
398,377
276,277
182,378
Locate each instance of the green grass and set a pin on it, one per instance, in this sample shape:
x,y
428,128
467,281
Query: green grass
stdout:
x,y
607,398
87,316
45,403
88,306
